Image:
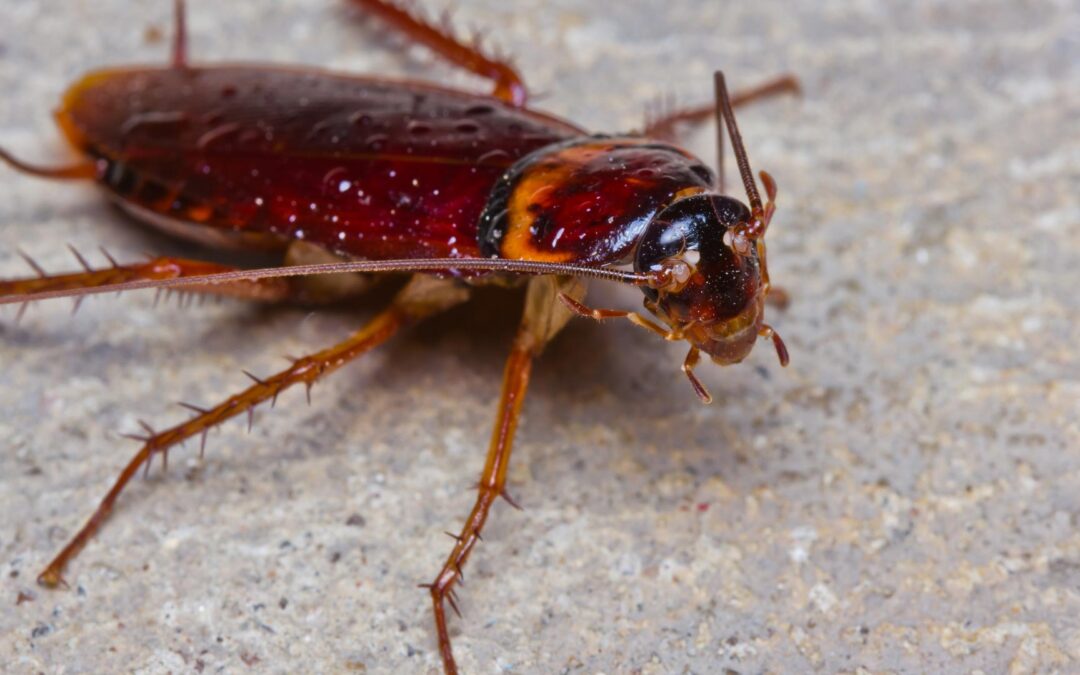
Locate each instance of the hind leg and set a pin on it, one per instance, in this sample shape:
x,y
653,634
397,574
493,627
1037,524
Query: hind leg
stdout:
x,y
26,290
421,298
155,268
321,289
509,86
544,317
663,126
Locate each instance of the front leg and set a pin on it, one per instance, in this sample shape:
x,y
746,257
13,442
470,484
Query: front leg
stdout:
x,y
543,318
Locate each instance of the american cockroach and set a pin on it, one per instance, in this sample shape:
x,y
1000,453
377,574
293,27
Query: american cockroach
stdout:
x,y
357,177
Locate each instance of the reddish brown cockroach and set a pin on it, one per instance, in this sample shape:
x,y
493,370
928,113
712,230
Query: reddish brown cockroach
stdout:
x,y
344,174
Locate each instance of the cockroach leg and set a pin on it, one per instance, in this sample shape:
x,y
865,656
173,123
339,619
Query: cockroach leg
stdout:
x,y
543,319
324,288
781,84
180,38
583,310
663,127
269,290
509,86
420,298
587,312
692,358
767,331
491,486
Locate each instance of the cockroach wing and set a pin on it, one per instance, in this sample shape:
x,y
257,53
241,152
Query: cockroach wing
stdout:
x,y
363,167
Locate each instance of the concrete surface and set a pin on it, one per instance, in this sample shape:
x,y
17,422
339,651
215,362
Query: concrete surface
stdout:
x,y
904,498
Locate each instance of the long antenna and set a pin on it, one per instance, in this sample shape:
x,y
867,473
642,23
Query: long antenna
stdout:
x,y
725,113
434,265
719,111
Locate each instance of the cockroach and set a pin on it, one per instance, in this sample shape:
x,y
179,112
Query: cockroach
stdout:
x,y
364,176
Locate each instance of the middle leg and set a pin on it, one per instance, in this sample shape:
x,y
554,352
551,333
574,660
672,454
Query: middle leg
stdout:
x,y
544,317
420,298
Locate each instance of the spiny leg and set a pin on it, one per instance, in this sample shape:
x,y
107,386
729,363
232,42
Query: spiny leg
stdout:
x,y
543,318
422,297
509,86
323,289
663,126
270,290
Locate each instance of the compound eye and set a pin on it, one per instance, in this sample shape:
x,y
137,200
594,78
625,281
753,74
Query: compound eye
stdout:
x,y
693,225
672,234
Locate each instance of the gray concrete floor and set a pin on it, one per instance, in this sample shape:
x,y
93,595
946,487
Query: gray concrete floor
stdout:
x,y
903,498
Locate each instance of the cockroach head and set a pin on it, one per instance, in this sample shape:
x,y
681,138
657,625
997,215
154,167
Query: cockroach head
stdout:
x,y
711,291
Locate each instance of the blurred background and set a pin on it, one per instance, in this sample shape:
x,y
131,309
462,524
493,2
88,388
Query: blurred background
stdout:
x,y
902,498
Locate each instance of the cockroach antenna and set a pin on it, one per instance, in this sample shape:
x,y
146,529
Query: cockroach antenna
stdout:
x,y
725,115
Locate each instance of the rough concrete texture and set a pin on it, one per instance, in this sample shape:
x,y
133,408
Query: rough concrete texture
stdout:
x,y
903,498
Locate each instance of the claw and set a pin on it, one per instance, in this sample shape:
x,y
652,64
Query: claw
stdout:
x,y
51,578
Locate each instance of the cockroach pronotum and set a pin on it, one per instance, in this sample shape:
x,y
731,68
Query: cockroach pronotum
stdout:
x,y
356,177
